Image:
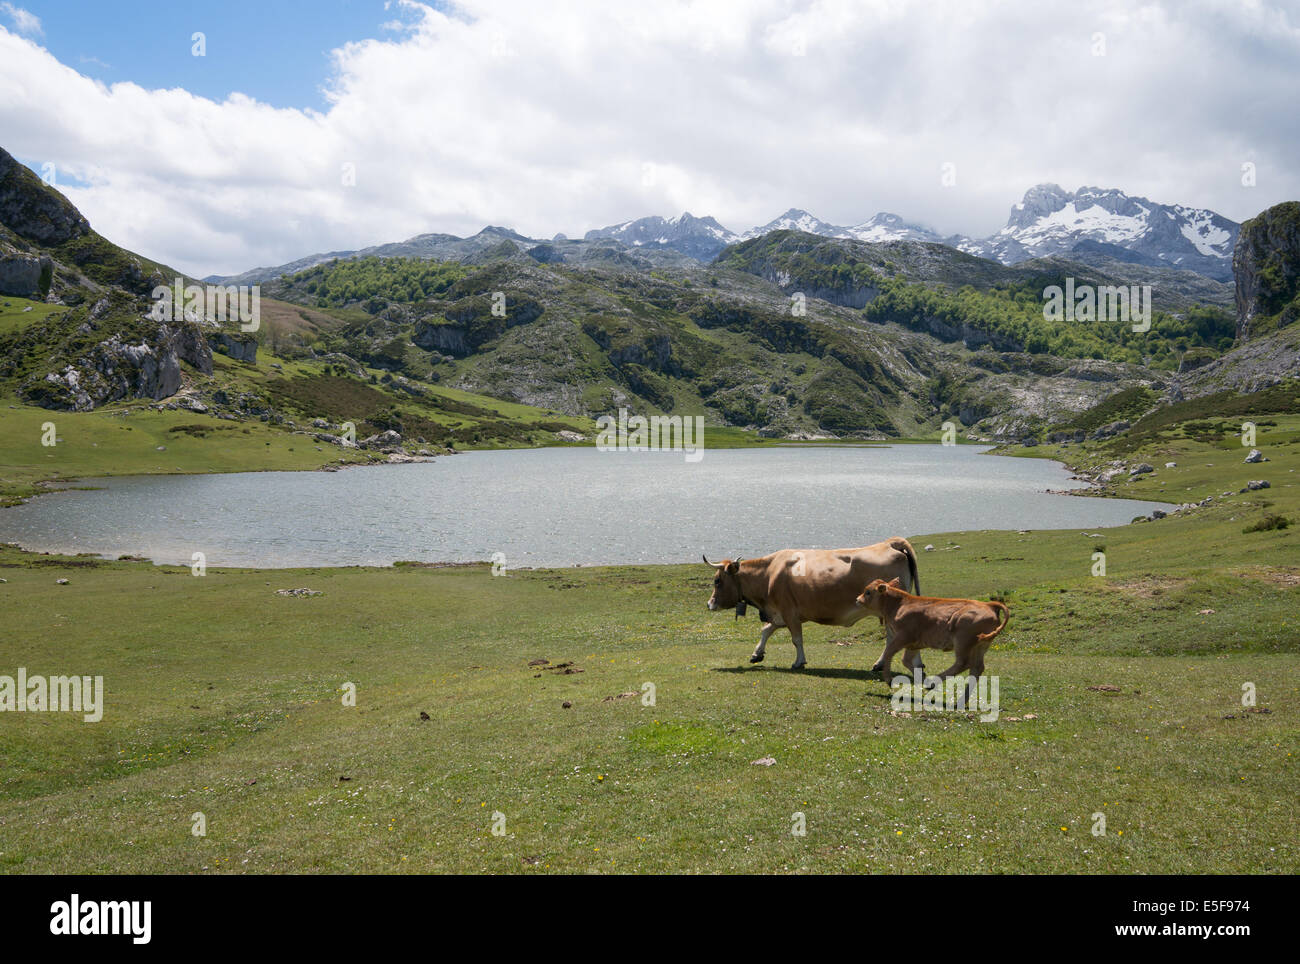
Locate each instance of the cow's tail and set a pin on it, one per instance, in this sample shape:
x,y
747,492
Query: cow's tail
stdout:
x,y
1006,618
905,547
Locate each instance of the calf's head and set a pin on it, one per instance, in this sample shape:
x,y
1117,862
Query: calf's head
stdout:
x,y
874,596
726,584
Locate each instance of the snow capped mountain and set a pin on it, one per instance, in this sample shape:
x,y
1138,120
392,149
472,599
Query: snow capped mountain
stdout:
x,y
796,219
889,227
700,238
1051,220
1086,225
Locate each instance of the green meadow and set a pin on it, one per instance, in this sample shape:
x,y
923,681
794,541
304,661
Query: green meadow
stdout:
x,y
633,747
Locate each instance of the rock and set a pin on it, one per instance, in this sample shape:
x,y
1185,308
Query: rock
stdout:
x,y
929,548
1157,514
1113,428
1255,485
387,439
766,761
241,346
112,370
61,582
569,436
1255,456
1266,265
25,276
1171,465
302,591
1142,468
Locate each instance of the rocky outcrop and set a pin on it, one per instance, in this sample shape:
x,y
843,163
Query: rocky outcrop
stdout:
x,y
239,346
25,276
384,441
34,210
118,368
1266,262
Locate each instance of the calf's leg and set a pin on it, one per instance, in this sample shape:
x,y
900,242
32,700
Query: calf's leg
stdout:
x,y
882,665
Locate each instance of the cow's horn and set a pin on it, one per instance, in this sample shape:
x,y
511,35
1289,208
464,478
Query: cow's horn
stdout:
x,y
715,565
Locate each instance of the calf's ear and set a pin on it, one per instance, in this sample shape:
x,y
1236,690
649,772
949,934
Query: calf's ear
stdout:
x,y
895,583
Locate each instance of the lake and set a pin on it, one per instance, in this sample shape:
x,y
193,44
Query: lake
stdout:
x,y
562,507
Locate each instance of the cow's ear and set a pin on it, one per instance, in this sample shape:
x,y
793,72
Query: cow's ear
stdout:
x,y
733,567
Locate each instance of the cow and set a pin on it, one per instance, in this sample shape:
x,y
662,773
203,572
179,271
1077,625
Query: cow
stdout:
x,y
796,586
965,627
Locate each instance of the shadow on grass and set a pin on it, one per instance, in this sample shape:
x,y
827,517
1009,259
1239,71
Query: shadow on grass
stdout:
x,y
865,675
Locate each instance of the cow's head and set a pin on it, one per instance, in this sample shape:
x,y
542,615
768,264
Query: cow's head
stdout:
x,y
726,584
874,596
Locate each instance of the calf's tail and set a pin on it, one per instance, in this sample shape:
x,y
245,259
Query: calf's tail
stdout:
x,y
1006,618
905,547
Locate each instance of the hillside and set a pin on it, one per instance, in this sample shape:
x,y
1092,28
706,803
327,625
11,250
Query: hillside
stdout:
x,y
496,340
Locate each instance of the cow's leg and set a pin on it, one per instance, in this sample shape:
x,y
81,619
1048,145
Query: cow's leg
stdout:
x,y
761,649
796,632
887,657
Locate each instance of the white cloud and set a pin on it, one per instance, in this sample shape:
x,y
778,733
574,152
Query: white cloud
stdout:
x,y
24,21
564,117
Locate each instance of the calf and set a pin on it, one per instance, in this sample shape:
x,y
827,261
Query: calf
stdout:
x,y
965,627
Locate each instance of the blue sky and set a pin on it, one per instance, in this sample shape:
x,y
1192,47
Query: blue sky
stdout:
x,y
277,51
569,115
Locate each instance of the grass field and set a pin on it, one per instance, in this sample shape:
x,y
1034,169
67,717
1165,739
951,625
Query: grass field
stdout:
x,y
1120,695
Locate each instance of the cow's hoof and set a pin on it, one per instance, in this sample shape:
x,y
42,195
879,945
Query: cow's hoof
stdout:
x,y
798,665
757,658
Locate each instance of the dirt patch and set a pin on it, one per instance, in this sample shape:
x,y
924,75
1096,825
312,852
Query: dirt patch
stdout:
x,y
1286,578
1147,587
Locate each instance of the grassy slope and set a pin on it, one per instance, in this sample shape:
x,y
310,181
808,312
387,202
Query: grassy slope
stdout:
x,y
224,698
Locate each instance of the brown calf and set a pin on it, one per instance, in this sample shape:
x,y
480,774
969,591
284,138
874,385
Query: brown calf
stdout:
x,y
965,627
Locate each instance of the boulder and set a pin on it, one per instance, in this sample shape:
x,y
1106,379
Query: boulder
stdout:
x,y
240,346
384,440
1255,456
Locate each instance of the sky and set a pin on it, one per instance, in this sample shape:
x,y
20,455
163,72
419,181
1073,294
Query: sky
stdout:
x,y
216,137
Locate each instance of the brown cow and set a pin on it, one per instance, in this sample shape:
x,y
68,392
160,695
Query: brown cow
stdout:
x,y
965,627
796,586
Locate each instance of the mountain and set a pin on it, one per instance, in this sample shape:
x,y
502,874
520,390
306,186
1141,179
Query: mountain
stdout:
x,y
1050,220
700,238
889,227
441,247
796,219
